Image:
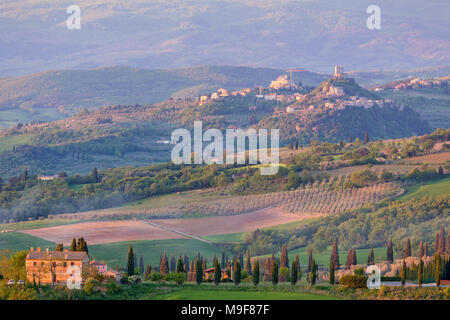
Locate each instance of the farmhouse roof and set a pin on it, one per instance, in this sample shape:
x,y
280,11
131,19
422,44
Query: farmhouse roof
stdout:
x,y
57,255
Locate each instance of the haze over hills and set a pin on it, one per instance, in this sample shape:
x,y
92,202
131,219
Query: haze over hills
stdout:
x,y
52,95
171,34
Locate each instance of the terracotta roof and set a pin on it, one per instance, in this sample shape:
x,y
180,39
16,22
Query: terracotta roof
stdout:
x,y
57,255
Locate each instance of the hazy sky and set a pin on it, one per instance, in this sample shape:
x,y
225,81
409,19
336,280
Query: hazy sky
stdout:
x,y
168,34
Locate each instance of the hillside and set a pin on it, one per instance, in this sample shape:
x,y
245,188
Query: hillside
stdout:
x,y
54,95
134,135
430,97
338,109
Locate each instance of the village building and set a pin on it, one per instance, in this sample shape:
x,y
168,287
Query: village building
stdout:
x,y
335,92
54,267
270,96
338,71
281,82
209,274
223,92
103,269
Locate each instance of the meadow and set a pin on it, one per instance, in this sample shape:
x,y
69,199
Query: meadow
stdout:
x,y
430,189
15,241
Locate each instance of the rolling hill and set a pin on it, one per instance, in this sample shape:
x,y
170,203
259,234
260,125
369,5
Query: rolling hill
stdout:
x,y
53,95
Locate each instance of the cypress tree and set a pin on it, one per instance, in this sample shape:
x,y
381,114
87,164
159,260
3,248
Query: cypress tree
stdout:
x,y
297,264
223,259
82,245
73,246
148,270
310,260
335,254
371,258
274,272
284,260
237,272
349,262
442,240
172,263
256,273
130,262
403,272
437,273
366,137
141,263
164,266
436,243
420,273
186,263
332,280
313,274
135,262
95,175
217,271
229,269
355,261
267,272
421,252
198,271
191,274
248,264
390,252
180,265
407,248
350,139
294,273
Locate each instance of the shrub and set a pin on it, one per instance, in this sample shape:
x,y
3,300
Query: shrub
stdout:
x,y
283,274
177,277
353,281
112,287
89,286
155,276
134,279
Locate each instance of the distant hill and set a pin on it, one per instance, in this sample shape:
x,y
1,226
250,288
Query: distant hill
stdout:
x,y
329,115
172,34
373,78
52,95
134,135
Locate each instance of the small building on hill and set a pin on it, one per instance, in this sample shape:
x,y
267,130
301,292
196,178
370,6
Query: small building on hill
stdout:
x,y
54,267
209,274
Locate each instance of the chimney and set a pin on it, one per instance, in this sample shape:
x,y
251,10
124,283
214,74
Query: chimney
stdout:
x,y
31,249
39,249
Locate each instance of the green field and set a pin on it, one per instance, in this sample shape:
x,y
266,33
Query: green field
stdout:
x,y
15,241
116,253
7,143
434,188
35,224
191,293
